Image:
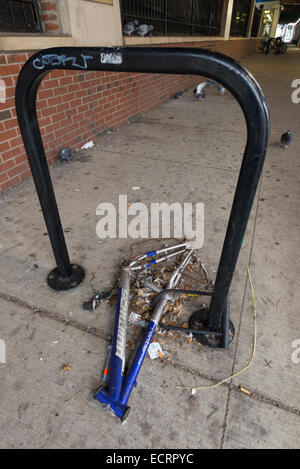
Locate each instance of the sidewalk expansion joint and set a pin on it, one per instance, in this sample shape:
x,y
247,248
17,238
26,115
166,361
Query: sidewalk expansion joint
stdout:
x,y
53,315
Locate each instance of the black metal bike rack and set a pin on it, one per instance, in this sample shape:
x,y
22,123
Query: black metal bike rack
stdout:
x,y
190,61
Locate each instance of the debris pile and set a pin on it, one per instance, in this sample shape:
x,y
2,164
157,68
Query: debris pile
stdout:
x,y
147,281
195,277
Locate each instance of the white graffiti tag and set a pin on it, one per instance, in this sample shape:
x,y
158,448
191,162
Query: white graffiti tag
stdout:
x,y
114,58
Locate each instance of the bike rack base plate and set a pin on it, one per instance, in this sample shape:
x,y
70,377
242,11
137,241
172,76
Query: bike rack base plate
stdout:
x,y
58,282
200,317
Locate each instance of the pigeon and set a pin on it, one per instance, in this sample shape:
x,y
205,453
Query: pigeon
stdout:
x,y
199,90
179,94
65,154
144,29
130,27
286,139
221,90
201,96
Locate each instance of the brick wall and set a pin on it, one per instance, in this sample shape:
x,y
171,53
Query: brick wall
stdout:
x,y
75,107
49,16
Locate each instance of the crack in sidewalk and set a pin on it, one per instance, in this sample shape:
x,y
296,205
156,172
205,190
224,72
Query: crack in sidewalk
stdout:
x,y
53,315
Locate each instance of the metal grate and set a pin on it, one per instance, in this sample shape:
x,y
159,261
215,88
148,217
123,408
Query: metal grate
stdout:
x,y
256,22
19,16
176,17
240,18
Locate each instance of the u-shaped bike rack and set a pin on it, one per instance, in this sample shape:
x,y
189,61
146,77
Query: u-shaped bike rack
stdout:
x,y
190,61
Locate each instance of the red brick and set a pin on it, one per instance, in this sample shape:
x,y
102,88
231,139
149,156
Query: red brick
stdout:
x,y
16,58
48,111
54,101
58,117
56,74
10,103
65,107
25,174
74,103
66,81
8,134
9,70
7,165
16,170
83,108
40,105
80,94
11,153
8,80
51,84
74,87
48,6
3,177
51,128
60,91
21,159
16,142
51,27
69,97
10,92
44,94
49,17
43,122
4,146
9,183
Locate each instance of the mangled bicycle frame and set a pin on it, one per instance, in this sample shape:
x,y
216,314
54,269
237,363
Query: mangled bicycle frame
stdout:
x,y
217,67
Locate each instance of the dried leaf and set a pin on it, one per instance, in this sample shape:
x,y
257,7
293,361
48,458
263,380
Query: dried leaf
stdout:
x,y
66,367
166,276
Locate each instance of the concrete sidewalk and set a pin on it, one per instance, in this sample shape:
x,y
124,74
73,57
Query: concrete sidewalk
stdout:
x,y
184,151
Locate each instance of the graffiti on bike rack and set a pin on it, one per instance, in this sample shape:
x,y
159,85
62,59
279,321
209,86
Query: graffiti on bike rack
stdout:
x,y
114,58
40,63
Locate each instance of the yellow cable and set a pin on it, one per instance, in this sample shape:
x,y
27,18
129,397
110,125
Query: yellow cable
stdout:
x,y
253,349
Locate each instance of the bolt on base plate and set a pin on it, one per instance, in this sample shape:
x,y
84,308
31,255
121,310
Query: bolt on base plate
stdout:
x,y
58,282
